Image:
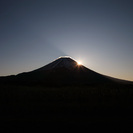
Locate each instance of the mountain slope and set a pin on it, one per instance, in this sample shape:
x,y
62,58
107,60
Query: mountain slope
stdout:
x,y
62,71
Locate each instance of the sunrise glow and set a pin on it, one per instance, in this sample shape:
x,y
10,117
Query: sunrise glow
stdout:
x,y
79,63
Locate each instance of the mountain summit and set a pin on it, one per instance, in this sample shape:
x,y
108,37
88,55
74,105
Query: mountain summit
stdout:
x,y
66,62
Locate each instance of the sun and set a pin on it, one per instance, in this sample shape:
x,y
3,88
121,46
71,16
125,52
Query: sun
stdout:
x,y
79,63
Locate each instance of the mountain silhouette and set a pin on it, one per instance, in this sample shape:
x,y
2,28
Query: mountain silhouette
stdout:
x,y
62,71
64,93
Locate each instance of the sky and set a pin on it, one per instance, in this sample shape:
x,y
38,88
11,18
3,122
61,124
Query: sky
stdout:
x,y
99,33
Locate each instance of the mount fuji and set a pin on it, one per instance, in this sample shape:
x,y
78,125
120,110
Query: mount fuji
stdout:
x,y
66,94
62,71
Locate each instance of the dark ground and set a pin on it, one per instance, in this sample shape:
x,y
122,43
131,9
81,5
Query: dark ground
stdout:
x,y
106,107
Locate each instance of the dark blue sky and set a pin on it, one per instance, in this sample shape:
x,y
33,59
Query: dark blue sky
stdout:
x,y
99,33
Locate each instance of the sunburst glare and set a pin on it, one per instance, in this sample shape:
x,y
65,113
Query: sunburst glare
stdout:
x,y
79,62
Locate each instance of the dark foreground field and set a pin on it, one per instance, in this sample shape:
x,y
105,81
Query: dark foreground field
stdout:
x,y
95,107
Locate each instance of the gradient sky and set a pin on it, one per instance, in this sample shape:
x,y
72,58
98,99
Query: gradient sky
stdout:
x,y
99,33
